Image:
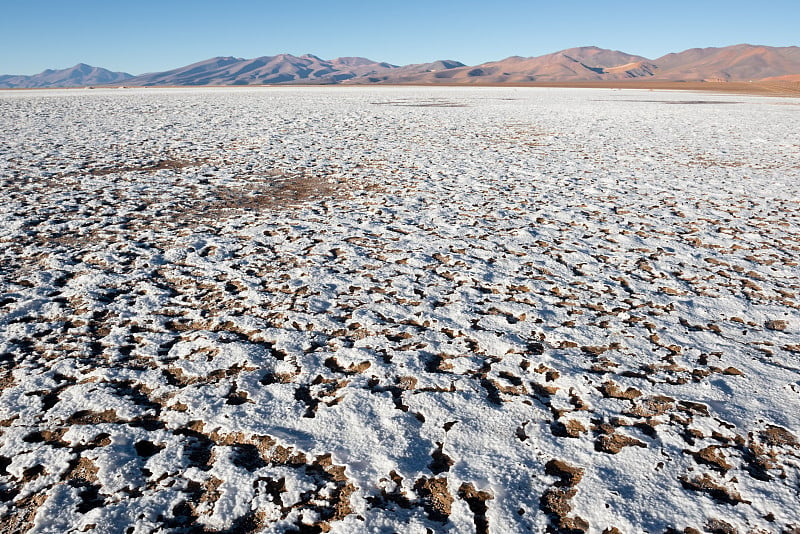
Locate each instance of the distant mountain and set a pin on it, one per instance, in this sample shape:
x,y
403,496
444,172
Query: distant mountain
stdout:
x,y
283,68
585,63
589,63
78,76
731,63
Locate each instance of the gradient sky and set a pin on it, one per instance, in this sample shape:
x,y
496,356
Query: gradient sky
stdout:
x,y
147,36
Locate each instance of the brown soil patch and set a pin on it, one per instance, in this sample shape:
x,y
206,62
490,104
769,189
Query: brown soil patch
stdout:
x,y
571,428
652,406
20,518
712,456
570,476
613,443
270,193
476,500
436,499
776,436
776,325
83,470
718,526
88,417
612,390
197,199
718,492
555,503
158,165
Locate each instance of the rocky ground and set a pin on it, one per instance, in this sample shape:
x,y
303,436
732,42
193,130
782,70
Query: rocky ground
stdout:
x,y
399,310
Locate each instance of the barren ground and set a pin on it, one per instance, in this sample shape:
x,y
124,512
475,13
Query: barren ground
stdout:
x,y
398,309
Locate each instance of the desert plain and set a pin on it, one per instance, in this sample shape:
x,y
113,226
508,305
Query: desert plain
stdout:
x,y
399,309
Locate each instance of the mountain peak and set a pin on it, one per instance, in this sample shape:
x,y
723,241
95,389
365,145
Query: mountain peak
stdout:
x,y
76,76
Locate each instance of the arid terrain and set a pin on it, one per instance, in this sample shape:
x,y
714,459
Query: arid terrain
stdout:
x,y
400,309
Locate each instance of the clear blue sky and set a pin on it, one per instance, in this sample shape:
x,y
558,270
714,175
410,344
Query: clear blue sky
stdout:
x,y
147,35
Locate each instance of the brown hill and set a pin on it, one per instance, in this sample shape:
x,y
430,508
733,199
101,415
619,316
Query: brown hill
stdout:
x,y
733,63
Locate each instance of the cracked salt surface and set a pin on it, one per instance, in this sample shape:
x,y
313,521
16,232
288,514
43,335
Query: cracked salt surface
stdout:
x,y
398,309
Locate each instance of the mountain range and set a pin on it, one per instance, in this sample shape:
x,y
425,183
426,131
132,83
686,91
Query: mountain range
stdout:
x,y
733,63
77,76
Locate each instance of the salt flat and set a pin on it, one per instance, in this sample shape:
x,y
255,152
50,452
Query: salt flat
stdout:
x,y
399,310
